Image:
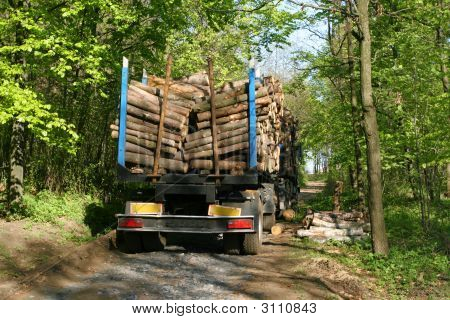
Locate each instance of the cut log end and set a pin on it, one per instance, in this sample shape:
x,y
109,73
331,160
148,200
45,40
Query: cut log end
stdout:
x,y
288,214
277,229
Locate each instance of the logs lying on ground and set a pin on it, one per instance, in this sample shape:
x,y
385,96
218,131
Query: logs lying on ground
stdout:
x,y
328,225
188,108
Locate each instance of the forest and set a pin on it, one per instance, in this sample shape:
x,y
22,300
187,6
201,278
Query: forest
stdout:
x,y
372,102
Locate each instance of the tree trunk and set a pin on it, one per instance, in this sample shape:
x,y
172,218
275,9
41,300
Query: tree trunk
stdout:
x,y
448,180
17,158
379,236
445,83
16,165
356,118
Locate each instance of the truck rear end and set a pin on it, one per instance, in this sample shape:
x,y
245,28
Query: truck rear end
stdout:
x,y
231,188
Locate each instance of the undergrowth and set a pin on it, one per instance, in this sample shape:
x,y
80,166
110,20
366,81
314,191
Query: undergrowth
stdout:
x,y
418,261
47,206
67,208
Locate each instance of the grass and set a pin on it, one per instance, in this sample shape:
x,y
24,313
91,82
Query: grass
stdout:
x,y
417,265
50,207
79,217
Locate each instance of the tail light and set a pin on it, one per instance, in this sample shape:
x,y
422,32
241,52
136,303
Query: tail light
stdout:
x,y
240,224
131,223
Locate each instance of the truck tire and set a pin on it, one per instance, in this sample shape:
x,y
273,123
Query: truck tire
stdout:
x,y
268,221
153,241
252,242
129,242
232,243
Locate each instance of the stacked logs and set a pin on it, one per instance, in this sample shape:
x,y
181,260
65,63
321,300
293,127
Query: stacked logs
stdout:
x,y
187,137
334,225
143,116
231,103
328,225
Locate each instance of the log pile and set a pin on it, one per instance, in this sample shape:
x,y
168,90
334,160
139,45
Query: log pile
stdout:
x,y
328,225
187,137
231,102
143,115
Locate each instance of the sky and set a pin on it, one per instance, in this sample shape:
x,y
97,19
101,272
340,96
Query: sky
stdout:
x,y
279,62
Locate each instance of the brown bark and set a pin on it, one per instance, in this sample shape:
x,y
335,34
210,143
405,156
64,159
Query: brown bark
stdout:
x,y
356,117
146,136
338,188
237,108
207,140
17,147
232,126
16,176
144,126
212,103
147,160
232,117
185,90
163,113
222,143
144,143
445,83
200,79
261,92
178,104
131,147
146,115
140,99
379,236
223,165
223,150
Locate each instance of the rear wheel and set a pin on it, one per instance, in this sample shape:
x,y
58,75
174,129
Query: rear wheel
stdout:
x,y
268,221
252,242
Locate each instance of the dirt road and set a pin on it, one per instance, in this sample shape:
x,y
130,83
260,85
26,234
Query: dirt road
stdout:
x,y
186,270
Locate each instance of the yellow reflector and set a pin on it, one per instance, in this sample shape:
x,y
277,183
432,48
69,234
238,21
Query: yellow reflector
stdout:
x,y
144,208
222,211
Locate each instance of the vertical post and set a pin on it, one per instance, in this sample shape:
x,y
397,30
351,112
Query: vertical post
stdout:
x,y
162,115
123,113
213,116
144,76
252,159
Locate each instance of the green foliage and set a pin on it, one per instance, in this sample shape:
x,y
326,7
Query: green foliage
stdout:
x,y
418,259
60,64
70,207
24,106
49,207
412,107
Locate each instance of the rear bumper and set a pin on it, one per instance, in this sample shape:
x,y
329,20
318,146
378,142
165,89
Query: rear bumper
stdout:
x,y
185,224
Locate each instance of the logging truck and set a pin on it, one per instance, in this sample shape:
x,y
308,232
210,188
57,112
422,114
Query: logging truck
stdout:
x,y
218,160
